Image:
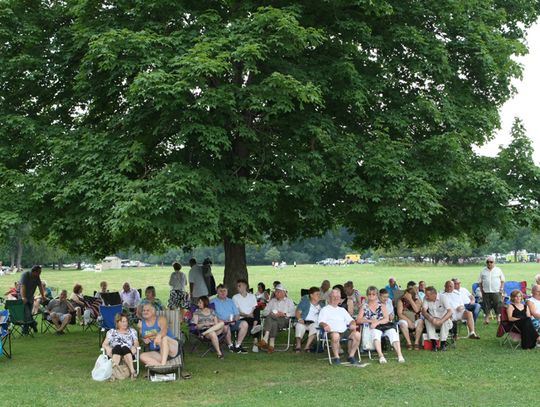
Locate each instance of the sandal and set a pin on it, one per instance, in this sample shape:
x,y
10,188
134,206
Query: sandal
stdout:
x,y
416,346
409,346
185,375
298,350
307,350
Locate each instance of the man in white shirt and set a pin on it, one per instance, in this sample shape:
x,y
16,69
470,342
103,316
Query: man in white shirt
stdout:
x,y
491,283
130,296
438,315
247,308
278,311
459,313
534,305
467,298
336,321
197,285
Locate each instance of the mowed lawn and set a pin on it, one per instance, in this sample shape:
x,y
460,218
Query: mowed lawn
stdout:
x,y
49,371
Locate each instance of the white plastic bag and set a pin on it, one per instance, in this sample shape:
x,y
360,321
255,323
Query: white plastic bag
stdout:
x,y
103,369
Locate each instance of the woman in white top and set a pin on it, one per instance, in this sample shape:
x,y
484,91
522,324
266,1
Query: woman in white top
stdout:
x,y
178,297
121,343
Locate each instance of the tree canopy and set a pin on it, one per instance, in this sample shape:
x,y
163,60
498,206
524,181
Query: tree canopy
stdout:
x,y
158,123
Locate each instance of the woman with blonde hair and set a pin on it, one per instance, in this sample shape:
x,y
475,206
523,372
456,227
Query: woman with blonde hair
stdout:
x,y
122,343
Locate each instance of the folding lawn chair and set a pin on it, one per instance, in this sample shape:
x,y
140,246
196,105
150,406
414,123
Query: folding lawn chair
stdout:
x,y
21,325
175,365
285,346
325,342
5,334
106,319
509,333
510,286
195,335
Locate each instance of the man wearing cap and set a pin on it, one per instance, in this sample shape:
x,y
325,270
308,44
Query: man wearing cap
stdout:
x,y
491,283
277,312
30,280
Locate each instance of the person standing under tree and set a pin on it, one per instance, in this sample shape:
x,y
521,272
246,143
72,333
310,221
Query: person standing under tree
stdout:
x,y
197,286
178,297
491,282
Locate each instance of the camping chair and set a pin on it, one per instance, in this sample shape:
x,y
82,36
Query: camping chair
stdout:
x,y
322,337
196,337
21,325
176,364
285,346
5,334
508,331
510,286
46,322
136,359
106,319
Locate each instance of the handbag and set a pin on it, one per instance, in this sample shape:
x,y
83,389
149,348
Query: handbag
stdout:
x,y
385,327
120,372
102,369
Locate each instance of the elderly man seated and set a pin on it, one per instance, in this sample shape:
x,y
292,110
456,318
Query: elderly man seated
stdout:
x,y
277,312
534,306
438,315
467,298
459,313
130,296
161,343
336,321
227,311
60,312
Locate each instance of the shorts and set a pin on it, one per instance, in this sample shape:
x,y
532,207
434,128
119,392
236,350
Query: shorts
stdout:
x,y
121,350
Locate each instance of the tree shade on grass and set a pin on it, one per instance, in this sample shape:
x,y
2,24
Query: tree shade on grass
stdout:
x,y
48,370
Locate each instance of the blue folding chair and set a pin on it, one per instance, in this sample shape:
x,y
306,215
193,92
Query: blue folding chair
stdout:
x,y
106,319
510,286
5,334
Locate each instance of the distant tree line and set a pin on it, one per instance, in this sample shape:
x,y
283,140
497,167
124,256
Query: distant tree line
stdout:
x,y
334,244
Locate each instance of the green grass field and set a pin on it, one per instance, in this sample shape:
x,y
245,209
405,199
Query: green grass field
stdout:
x,y
49,371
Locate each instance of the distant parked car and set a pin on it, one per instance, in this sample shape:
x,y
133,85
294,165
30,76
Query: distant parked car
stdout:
x,y
328,262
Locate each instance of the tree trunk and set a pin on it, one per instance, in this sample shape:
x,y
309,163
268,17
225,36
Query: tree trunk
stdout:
x,y
235,264
19,253
12,259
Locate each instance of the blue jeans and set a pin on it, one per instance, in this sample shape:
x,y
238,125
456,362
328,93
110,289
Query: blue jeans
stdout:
x,y
474,308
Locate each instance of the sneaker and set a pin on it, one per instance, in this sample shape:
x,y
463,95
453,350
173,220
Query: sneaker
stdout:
x,y
231,348
352,360
256,329
401,359
336,361
382,360
255,349
240,349
444,348
473,336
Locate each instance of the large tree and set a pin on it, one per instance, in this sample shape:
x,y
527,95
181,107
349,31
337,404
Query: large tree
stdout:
x,y
188,122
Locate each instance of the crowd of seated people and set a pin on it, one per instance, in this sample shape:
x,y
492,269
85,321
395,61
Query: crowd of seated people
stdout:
x,y
339,312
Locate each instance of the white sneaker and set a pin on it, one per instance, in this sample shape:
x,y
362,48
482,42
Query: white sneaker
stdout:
x,y
256,329
255,349
382,360
401,359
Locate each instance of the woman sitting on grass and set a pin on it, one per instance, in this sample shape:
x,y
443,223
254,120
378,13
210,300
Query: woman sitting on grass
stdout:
x,y
520,315
121,343
208,324
375,317
409,307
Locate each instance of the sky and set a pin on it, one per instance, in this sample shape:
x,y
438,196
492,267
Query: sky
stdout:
x,y
525,103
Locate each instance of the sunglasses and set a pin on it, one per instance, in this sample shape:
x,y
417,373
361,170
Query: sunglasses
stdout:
x,y
488,262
